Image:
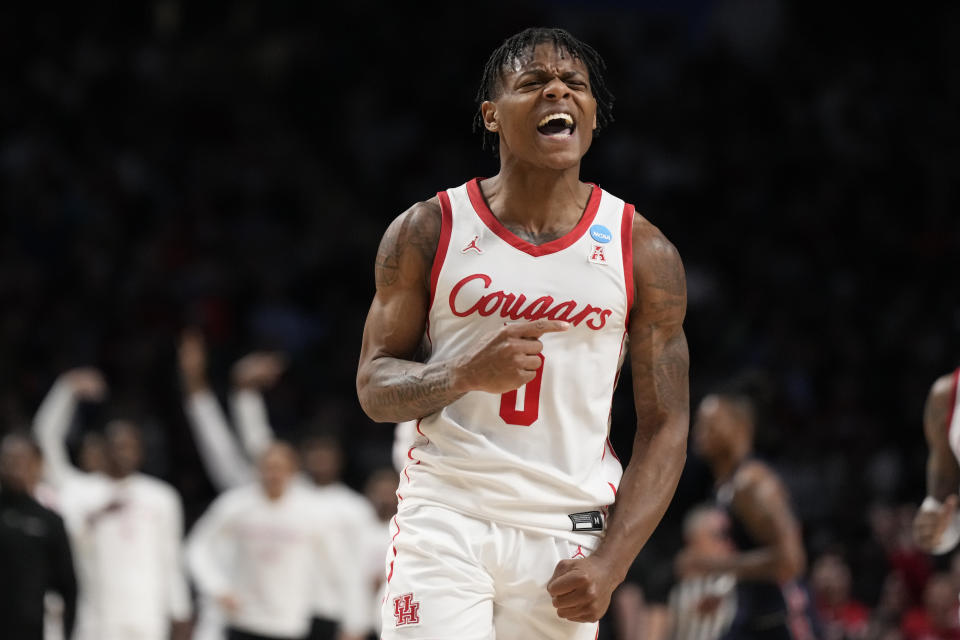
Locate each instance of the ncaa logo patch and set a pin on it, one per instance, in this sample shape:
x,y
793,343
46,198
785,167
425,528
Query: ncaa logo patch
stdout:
x,y
600,234
406,610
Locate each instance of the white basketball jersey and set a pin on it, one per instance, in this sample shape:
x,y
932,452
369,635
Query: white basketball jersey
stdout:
x,y
953,418
535,456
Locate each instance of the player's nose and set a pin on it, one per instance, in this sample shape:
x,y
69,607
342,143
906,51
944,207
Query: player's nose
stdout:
x,y
556,89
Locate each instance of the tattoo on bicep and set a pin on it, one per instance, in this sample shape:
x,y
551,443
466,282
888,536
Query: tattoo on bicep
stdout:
x,y
666,274
418,230
671,373
663,296
387,266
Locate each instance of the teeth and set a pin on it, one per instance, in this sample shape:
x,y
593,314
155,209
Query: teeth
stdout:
x,y
554,116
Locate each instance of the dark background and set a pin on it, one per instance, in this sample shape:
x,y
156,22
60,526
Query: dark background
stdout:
x,y
233,165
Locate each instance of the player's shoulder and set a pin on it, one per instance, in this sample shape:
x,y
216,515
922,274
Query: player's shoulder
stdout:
x,y
421,218
340,493
409,245
756,475
658,272
939,407
650,243
944,388
156,488
238,498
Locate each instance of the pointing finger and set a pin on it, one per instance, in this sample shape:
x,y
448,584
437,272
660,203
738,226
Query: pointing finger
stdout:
x,y
537,328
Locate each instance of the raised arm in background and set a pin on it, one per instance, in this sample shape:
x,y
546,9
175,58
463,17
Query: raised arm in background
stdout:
x,y
52,421
222,458
251,375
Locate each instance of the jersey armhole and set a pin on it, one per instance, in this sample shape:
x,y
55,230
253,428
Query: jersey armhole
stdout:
x,y
626,249
953,402
446,225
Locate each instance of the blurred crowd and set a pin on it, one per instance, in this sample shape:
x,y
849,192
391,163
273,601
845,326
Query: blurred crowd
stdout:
x,y
228,167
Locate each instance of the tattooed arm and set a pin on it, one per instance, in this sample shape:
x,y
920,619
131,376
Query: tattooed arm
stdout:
x,y
943,472
388,377
391,384
659,361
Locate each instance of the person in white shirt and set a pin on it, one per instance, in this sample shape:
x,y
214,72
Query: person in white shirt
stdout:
x,y
228,465
256,550
126,528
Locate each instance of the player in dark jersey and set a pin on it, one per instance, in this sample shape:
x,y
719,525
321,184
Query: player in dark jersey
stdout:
x,y
771,559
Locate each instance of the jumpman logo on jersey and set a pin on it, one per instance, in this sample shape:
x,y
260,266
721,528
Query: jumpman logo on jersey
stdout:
x,y
406,610
472,245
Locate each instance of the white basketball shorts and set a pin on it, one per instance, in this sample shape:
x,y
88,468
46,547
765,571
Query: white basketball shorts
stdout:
x,y
452,576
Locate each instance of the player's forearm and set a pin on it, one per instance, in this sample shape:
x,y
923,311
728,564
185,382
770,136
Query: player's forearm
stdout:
x,y
767,564
253,422
50,427
394,390
647,486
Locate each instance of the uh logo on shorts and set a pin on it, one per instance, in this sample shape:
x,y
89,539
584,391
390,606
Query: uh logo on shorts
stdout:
x,y
406,610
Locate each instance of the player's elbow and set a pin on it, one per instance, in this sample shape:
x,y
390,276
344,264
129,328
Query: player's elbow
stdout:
x,y
792,562
366,394
371,410
674,434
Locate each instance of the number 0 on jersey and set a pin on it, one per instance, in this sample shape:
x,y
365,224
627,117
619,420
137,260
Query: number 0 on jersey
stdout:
x,y
521,407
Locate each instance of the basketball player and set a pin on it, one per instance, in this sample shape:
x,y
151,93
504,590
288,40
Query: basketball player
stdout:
x,y
936,527
771,559
525,286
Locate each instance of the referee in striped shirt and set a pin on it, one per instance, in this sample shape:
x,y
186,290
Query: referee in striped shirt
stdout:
x,y
702,605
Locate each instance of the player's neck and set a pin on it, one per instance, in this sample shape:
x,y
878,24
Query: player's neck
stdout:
x,y
536,199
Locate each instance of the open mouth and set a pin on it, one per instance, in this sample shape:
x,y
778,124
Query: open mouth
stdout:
x,y
557,125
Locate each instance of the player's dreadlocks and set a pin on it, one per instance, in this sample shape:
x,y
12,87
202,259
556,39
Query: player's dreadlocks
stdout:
x,y
516,46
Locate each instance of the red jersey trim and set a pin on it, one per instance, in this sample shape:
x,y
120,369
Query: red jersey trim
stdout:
x,y
953,400
393,547
616,381
414,461
480,206
612,450
626,246
446,228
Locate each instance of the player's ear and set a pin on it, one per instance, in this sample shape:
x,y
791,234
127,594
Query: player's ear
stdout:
x,y
489,112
